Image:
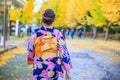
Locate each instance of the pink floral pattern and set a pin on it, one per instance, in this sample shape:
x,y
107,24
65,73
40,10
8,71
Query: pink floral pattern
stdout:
x,y
60,74
36,62
44,73
50,65
43,32
49,79
66,66
34,78
58,35
30,54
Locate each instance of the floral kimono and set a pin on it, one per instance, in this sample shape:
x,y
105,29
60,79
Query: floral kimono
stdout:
x,y
52,67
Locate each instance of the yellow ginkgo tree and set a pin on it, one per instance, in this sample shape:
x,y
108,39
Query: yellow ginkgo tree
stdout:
x,y
25,14
14,14
70,20
95,16
28,14
61,17
111,9
76,13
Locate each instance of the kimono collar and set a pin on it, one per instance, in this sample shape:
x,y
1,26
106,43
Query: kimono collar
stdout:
x,y
47,29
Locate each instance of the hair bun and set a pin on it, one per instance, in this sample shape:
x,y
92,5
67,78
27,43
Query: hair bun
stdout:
x,y
48,16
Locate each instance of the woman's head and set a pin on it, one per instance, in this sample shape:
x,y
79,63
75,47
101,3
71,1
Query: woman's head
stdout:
x,y
48,16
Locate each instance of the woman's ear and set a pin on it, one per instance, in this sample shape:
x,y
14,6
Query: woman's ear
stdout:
x,y
55,19
41,21
43,12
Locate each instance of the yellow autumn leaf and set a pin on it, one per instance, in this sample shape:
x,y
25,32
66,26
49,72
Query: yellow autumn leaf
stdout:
x,y
4,57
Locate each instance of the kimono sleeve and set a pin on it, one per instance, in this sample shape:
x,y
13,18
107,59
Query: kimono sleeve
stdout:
x,y
63,51
30,46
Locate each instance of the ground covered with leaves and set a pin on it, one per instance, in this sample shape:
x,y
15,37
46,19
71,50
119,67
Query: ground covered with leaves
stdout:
x,y
92,60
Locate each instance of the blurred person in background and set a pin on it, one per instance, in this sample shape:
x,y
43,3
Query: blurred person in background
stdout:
x,y
63,33
80,33
29,31
71,33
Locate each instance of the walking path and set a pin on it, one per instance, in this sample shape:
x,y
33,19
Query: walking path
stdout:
x,y
12,43
88,64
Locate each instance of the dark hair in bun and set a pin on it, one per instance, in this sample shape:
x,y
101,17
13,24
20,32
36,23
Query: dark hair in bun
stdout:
x,y
48,16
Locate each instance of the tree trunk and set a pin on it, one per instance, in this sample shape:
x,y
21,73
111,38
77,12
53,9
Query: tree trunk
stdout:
x,y
76,31
6,22
5,25
94,32
84,31
106,34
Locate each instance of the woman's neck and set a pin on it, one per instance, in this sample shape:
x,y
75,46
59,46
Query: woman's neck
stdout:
x,y
48,26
